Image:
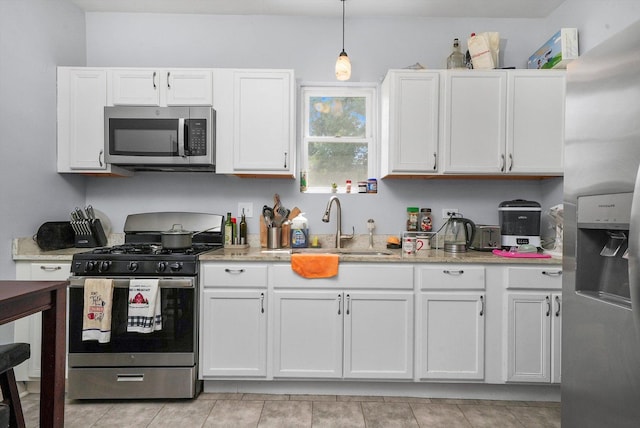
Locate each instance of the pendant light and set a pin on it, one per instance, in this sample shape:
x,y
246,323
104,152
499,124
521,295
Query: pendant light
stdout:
x,y
343,65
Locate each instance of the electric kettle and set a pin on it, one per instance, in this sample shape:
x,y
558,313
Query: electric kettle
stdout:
x,y
458,234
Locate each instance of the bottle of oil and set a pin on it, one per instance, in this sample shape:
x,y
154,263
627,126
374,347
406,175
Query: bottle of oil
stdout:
x,y
456,59
228,231
243,229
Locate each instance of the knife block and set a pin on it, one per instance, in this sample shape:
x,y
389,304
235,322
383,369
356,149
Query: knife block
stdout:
x,y
89,233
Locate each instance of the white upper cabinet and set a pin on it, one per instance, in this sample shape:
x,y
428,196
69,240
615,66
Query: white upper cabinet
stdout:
x,y
410,111
82,96
475,106
535,121
161,87
255,112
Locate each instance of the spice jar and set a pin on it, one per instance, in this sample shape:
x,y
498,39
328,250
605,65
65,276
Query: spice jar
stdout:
x,y
426,222
348,188
362,187
412,219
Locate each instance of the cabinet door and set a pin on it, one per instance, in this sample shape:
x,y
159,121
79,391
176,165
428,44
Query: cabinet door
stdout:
x,y
263,132
474,126
556,338
233,333
188,87
307,334
83,125
451,341
528,330
136,87
378,338
535,122
410,126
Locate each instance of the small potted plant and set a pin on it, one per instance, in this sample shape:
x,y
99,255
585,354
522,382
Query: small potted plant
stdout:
x,y
334,188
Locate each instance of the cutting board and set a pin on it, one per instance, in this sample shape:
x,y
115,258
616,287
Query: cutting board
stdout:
x,y
503,253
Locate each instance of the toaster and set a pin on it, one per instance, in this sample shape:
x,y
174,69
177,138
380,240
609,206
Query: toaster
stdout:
x,y
486,238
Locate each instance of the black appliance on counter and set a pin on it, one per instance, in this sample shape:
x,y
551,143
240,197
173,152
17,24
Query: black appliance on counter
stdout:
x,y
519,223
161,364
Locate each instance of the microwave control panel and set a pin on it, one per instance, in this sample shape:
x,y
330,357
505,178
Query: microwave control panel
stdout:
x,y
197,137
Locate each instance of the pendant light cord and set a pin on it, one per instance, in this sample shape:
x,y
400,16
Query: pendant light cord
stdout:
x,y
343,25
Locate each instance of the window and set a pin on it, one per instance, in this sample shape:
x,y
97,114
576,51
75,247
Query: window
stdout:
x,y
338,136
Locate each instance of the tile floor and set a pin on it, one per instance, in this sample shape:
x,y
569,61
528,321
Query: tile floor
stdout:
x,y
331,411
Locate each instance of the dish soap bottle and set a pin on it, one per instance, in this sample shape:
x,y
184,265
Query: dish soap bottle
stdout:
x,y
299,232
456,59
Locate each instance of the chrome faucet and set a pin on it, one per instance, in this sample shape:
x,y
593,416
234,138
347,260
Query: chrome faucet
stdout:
x,y
325,218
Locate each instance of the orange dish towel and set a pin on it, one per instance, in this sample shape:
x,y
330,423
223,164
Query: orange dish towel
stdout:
x,y
315,265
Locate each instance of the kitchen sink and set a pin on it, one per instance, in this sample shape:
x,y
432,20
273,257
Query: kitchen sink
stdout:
x,y
344,251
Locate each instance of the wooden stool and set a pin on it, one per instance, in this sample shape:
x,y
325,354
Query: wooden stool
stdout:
x,y
10,356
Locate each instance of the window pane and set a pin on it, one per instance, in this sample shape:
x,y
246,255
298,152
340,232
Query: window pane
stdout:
x,y
337,116
336,163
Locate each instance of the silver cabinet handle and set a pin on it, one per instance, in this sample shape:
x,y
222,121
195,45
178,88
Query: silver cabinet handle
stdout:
x,y
552,273
435,161
510,162
154,80
50,268
168,82
339,304
548,305
348,304
558,302
503,163
100,157
453,272
481,305
234,271
262,303
285,159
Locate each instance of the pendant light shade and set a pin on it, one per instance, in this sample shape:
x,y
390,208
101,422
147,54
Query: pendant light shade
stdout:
x,y
343,64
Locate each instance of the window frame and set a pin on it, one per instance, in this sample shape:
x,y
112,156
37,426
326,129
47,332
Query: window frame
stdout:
x,y
367,90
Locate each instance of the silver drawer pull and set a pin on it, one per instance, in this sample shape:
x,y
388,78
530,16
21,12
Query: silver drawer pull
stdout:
x,y
551,273
453,272
236,271
130,378
558,302
50,268
481,305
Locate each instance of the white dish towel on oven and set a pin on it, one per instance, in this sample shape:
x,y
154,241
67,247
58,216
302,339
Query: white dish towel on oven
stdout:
x,y
96,313
145,309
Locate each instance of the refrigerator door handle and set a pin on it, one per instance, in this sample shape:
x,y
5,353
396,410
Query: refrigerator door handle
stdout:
x,y
634,254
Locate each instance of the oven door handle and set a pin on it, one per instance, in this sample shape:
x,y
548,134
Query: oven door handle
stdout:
x,y
181,143
78,281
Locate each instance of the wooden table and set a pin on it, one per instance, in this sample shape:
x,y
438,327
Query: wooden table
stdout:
x,y
22,298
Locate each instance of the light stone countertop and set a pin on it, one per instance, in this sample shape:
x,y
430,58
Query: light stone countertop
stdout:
x,y
26,249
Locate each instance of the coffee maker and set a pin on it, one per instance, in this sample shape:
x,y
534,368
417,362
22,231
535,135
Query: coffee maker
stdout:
x,y
519,223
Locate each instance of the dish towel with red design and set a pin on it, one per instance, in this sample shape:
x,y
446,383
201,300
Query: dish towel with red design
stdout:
x,y
96,313
145,309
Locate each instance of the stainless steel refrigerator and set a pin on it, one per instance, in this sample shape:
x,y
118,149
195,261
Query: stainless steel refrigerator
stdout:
x,y
601,278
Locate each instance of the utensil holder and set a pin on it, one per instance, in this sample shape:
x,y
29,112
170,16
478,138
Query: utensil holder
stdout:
x,y
89,233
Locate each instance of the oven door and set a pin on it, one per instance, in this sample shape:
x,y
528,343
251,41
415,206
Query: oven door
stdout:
x,y
173,345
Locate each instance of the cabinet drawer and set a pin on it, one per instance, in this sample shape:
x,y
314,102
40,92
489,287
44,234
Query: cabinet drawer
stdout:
x,y
451,277
50,271
234,274
534,277
394,276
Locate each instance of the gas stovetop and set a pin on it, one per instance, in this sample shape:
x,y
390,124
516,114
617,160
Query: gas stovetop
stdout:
x,y
143,254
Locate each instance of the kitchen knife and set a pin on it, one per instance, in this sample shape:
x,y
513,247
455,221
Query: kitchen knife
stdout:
x,y
90,213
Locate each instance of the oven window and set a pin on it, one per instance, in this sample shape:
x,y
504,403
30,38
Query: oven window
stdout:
x,y
178,332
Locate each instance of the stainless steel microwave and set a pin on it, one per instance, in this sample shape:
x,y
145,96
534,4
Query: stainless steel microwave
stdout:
x,y
160,138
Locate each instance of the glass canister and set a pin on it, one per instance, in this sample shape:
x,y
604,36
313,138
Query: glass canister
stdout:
x,y
412,219
426,221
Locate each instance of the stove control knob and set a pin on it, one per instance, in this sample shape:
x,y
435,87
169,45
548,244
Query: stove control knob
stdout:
x,y
175,267
133,266
90,266
161,267
104,266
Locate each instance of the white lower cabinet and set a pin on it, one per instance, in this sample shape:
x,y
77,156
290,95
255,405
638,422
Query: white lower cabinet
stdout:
x,y
351,334
29,329
233,321
451,322
534,317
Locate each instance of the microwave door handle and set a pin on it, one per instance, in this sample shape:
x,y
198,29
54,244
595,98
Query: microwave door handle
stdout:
x,y
181,130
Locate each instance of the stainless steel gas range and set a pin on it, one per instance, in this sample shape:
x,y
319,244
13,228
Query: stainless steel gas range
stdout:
x,y
158,364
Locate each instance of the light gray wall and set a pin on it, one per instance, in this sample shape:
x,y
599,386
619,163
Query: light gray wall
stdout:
x,y
35,36
310,46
